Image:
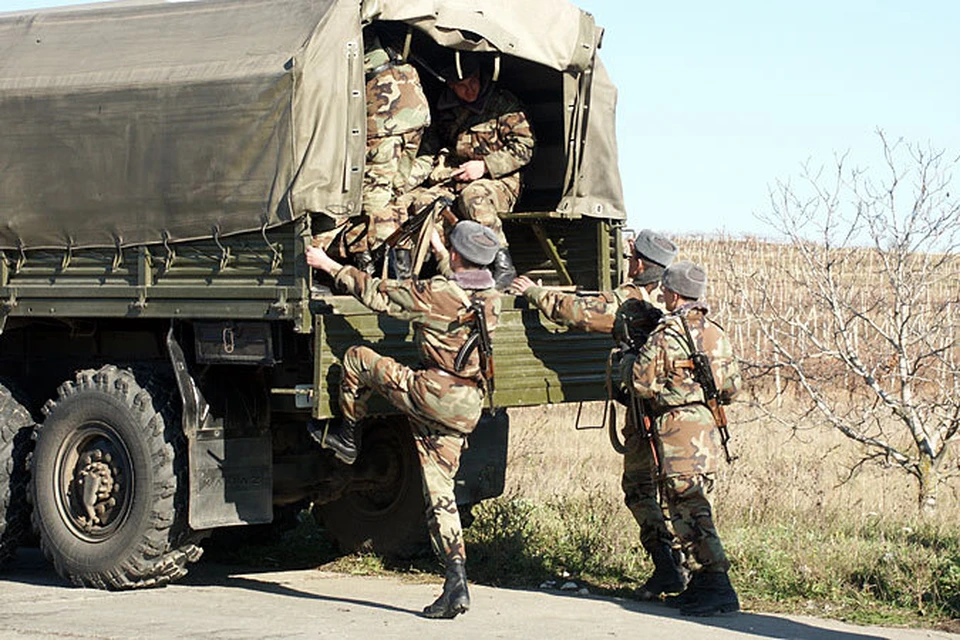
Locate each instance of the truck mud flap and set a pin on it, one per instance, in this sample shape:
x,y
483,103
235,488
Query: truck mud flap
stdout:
x,y
483,464
231,478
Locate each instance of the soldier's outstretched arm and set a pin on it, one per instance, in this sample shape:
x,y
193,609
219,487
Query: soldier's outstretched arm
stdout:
x,y
402,299
587,313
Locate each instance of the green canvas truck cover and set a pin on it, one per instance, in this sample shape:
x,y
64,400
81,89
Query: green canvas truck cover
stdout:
x,y
144,122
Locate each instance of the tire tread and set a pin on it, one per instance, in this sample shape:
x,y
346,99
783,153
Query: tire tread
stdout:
x,y
166,544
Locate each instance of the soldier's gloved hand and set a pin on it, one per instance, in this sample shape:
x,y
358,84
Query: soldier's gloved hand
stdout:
x,y
442,172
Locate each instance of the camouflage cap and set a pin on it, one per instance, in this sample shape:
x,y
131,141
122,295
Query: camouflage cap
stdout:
x,y
474,242
686,279
655,248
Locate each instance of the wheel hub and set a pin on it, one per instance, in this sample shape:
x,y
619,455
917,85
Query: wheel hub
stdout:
x,y
94,484
96,480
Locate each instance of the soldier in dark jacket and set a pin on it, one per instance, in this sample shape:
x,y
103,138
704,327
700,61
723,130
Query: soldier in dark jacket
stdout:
x,y
443,402
663,374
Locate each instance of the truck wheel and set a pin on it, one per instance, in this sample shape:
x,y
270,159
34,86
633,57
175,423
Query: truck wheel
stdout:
x,y
16,443
383,510
109,482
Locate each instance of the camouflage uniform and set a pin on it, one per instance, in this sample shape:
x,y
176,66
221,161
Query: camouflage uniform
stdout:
x,y
690,441
494,129
444,406
397,114
598,314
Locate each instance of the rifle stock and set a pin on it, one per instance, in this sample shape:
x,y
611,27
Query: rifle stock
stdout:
x,y
646,428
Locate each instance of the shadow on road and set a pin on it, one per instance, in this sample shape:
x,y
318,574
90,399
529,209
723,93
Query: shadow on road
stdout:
x,y
745,622
251,584
30,567
211,574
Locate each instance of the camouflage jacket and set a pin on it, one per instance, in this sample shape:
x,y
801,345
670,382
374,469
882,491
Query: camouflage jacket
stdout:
x,y
596,313
663,374
494,129
395,100
436,308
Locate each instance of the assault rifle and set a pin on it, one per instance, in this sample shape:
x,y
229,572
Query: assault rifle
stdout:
x,y
409,231
479,339
703,375
637,408
642,418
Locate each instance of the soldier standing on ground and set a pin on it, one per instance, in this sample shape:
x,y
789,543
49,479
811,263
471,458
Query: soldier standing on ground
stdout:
x,y
444,403
651,252
479,141
663,374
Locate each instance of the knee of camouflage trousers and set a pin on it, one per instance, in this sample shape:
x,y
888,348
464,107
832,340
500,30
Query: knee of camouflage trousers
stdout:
x,y
482,201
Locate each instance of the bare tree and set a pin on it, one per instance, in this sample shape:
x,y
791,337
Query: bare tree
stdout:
x,y
870,343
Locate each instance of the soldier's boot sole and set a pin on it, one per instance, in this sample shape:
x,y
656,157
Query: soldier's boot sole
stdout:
x,y
345,452
694,611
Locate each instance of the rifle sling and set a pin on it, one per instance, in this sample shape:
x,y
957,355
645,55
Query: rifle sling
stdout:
x,y
471,344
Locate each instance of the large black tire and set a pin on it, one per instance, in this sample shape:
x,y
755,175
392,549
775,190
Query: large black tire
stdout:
x,y
384,514
16,443
108,482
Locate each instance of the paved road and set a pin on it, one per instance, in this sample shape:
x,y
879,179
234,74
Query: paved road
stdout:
x,y
216,602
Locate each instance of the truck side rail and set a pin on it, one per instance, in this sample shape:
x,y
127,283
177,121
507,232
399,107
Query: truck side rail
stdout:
x,y
253,276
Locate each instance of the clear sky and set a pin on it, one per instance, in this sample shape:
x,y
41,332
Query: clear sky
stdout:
x,y
719,100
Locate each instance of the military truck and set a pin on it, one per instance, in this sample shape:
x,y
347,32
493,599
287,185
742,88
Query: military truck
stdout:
x,y
163,168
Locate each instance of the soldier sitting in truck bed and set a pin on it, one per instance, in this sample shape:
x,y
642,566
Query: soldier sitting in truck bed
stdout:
x,y
479,141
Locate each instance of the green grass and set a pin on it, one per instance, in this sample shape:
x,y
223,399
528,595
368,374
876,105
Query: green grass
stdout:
x,y
872,573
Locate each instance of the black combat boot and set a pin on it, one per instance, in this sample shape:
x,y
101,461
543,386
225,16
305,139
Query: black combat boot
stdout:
x,y
715,595
455,598
667,575
401,264
688,594
343,439
503,270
